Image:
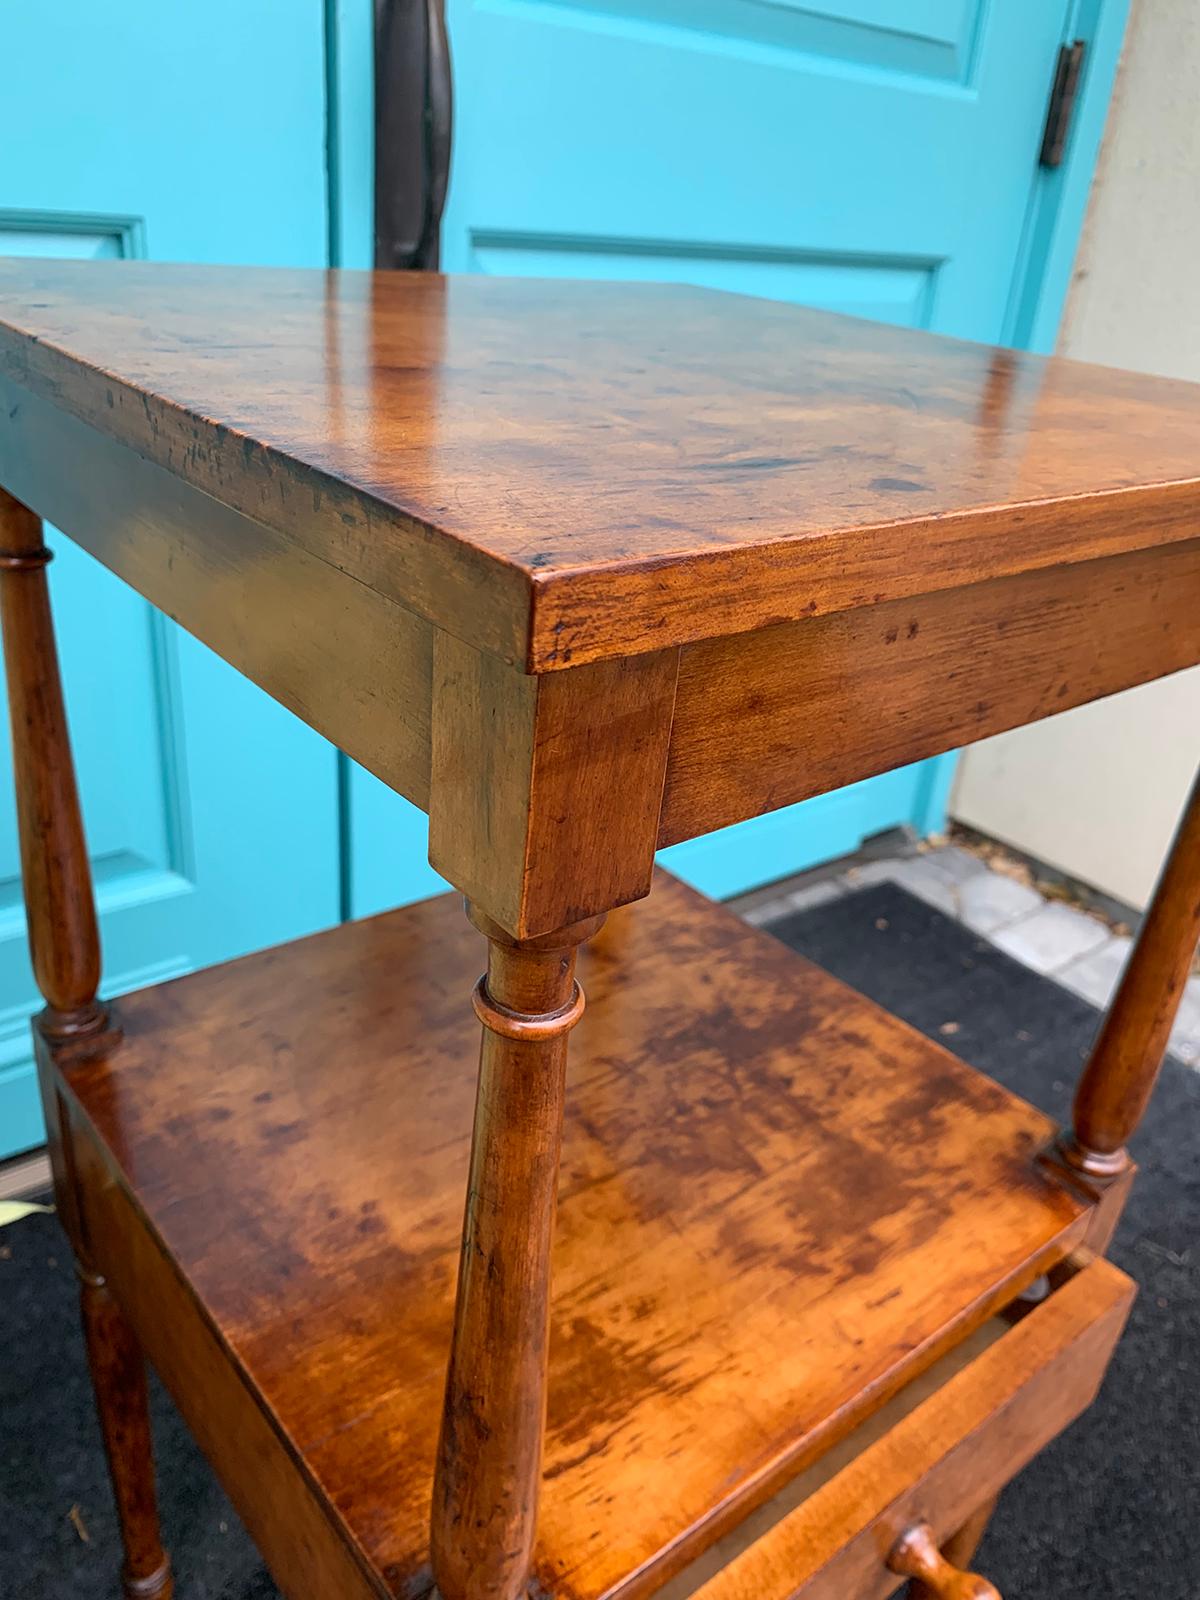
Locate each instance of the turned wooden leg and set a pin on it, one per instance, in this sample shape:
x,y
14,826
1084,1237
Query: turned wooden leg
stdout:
x,y
119,1378
64,948
489,1455
1125,1060
64,945
959,1549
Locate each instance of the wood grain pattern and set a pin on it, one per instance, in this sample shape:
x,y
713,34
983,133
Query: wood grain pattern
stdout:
x,y
580,568
1126,1059
353,665
763,720
561,472
310,1552
960,1445
545,792
771,1215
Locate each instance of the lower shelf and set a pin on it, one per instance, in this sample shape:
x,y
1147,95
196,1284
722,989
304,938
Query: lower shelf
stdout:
x,y
779,1205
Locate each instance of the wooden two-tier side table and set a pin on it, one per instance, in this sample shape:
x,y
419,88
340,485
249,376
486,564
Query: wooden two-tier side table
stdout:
x,y
583,570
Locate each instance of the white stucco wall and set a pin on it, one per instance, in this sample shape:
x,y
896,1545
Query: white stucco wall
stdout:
x,y
1096,792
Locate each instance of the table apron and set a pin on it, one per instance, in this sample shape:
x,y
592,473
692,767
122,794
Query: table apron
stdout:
x,y
351,663
765,719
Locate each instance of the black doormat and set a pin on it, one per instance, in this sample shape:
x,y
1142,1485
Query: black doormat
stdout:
x,y
1109,1512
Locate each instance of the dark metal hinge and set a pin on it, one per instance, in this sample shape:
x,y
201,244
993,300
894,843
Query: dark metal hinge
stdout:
x,y
1062,103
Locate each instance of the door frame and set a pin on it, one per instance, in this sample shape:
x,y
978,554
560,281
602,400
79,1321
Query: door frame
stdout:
x,y
1059,198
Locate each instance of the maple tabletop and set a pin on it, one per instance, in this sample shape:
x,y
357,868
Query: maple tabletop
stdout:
x,y
603,468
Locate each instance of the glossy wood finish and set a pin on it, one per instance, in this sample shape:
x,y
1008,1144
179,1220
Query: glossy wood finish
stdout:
x,y
564,472
951,1450
740,1186
1124,1064
582,568
282,1505
760,719
335,595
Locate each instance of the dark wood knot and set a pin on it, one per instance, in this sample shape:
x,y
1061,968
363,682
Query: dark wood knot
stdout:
x,y
26,561
528,1026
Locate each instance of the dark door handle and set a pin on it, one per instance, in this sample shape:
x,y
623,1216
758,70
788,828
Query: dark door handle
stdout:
x,y
414,119
439,122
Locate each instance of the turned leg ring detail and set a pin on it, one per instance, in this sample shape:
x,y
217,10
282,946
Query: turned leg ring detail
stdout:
x,y
526,1026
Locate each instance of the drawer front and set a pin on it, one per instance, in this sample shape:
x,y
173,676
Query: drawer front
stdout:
x,y
946,1457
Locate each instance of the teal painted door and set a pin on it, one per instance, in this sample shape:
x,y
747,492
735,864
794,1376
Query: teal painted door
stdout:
x,y
193,133
877,157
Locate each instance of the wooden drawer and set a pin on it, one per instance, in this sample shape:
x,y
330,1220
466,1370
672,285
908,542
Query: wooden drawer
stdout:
x,y
939,1451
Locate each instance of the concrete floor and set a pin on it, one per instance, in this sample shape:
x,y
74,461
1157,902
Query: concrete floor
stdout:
x,y
1072,946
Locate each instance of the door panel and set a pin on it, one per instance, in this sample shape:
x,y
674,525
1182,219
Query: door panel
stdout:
x,y
877,157
211,813
934,37
810,153
889,290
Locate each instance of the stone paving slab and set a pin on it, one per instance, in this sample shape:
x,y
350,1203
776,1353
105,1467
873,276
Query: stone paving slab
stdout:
x,y
989,901
1095,975
1051,937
